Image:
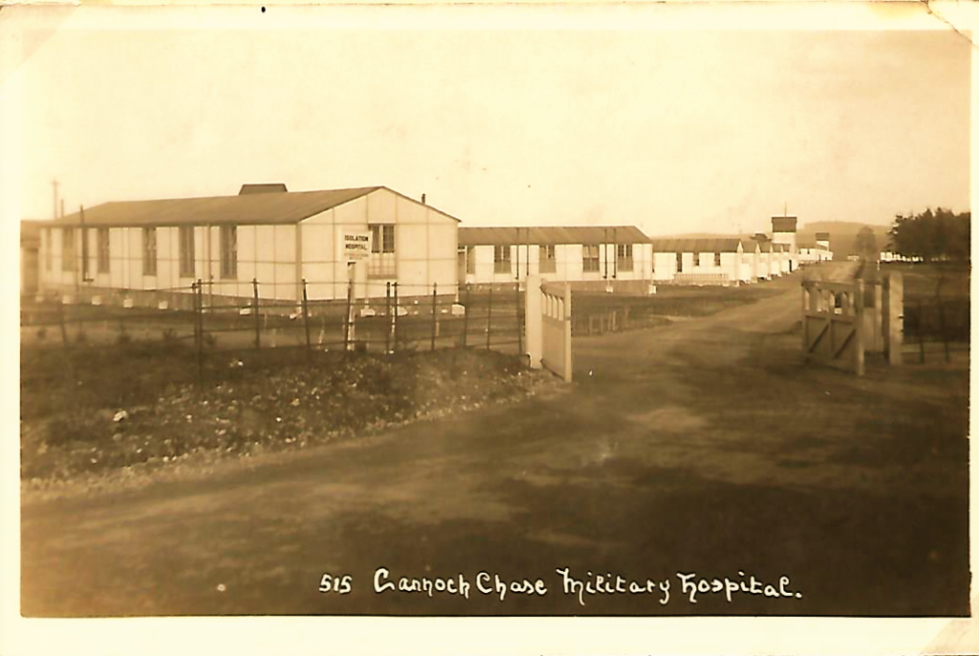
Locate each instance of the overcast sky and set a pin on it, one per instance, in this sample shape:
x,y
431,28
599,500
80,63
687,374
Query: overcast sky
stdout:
x,y
674,131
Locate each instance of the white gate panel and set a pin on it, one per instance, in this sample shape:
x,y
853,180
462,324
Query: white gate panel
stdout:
x,y
556,328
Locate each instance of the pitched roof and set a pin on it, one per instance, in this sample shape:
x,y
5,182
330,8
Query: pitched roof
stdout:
x,y
713,245
274,207
551,235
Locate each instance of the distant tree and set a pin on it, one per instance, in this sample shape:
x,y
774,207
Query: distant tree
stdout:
x,y
933,235
866,244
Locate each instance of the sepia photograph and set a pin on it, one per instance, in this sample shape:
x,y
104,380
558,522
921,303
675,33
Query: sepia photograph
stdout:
x,y
476,312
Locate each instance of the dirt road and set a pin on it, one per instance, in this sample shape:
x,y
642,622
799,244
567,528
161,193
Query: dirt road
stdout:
x,y
704,447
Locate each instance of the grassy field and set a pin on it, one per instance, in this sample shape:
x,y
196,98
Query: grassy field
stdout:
x,y
670,303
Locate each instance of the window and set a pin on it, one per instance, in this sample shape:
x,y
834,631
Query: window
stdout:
x,y
623,255
229,251
187,251
589,257
501,259
696,259
470,259
68,249
679,262
467,260
382,263
548,258
149,251
717,259
48,247
102,236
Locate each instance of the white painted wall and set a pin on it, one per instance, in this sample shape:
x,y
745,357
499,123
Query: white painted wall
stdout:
x,y
426,244
264,252
569,265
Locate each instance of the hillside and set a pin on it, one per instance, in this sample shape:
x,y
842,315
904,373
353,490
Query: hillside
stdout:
x,y
843,235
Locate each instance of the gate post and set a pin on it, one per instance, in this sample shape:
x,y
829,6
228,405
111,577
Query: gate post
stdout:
x,y
893,318
805,319
532,321
858,337
878,320
567,332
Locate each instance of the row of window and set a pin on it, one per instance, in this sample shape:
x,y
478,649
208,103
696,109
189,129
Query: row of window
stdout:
x,y
548,258
696,261
228,239
382,263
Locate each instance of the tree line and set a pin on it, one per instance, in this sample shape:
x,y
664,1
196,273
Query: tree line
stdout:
x,y
939,235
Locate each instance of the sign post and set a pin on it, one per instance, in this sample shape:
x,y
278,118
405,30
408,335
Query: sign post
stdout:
x,y
356,247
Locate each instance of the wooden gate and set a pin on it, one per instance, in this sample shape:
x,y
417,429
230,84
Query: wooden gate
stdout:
x,y
556,328
832,323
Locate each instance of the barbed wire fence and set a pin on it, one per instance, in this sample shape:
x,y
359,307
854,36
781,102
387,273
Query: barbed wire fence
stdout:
x,y
390,318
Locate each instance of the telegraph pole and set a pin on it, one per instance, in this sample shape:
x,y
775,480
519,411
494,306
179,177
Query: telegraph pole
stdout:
x,y
54,185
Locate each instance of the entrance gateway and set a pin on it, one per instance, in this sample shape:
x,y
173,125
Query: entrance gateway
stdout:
x,y
843,320
548,326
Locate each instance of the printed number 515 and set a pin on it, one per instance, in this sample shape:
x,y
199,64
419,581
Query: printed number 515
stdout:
x,y
340,584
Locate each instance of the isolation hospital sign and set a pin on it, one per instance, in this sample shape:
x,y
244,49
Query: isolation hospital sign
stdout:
x,y
356,246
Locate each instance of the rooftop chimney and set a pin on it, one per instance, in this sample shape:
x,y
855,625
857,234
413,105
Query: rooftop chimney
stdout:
x,y
264,188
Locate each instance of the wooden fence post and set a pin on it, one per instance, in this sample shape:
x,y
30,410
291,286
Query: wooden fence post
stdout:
x,y
519,326
805,320
200,329
348,319
435,312
387,318
465,320
309,345
258,321
397,307
858,334
489,318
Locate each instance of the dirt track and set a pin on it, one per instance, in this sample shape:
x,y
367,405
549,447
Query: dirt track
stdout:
x,y
703,447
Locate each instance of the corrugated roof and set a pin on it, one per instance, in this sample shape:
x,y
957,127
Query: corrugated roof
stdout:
x,y
714,245
250,208
551,235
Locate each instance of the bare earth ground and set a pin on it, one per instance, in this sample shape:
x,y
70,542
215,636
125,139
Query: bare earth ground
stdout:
x,y
703,446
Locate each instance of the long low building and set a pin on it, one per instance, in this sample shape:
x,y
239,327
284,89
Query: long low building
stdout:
x,y
705,261
593,256
265,234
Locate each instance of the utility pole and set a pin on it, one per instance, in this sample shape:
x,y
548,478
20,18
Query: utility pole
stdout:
x,y
54,185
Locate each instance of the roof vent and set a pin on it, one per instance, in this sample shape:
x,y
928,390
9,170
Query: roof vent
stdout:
x,y
265,188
